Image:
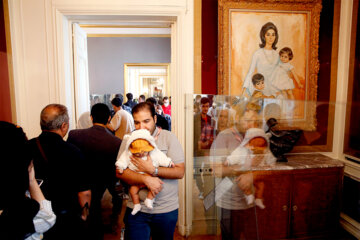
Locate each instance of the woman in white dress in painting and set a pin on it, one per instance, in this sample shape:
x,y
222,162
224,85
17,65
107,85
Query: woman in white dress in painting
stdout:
x,y
264,61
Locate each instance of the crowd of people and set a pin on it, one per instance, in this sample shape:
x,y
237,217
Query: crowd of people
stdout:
x,y
137,152
75,173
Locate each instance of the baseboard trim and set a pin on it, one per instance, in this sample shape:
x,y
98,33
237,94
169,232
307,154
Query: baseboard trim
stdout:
x,y
185,230
350,225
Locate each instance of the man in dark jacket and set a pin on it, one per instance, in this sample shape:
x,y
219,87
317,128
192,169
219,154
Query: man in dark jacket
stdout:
x,y
63,169
130,102
100,148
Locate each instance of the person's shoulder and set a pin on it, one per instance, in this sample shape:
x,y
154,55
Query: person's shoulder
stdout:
x,y
78,132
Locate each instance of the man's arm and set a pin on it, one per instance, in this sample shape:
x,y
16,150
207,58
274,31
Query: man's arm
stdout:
x,y
154,184
146,166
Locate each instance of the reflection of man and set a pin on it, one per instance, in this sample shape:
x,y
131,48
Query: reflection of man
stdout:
x,y
203,138
160,222
237,217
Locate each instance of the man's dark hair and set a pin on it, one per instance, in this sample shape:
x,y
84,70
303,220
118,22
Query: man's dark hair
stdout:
x,y
257,78
142,97
119,95
204,100
53,116
151,100
129,96
117,102
165,98
148,106
100,113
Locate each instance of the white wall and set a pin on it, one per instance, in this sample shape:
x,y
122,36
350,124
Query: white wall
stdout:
x,y
42,61
107,56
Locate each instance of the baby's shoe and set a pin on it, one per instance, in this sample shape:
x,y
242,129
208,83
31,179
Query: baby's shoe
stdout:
x,y
136,208
259,203
149,203
250,199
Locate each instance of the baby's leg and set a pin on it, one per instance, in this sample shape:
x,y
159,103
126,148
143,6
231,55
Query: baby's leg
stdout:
x,y
249,194
259,194
149,201
134,193
259,189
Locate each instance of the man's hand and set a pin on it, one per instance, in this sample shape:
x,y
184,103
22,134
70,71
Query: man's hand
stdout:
x,y
145,166
245,181
154,184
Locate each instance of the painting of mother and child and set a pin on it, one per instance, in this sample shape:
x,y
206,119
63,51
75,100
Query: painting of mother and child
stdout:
x,y
268,58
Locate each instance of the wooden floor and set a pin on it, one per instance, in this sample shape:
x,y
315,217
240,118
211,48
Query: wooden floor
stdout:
x,y
200,226
199,229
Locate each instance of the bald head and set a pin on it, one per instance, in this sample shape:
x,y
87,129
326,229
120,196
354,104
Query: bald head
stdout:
x,y
53,116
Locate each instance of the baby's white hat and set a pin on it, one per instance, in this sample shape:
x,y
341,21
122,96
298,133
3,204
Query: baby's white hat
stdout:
x,y
253,133
139,134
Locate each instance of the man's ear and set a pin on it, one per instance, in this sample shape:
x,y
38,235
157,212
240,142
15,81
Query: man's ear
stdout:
x,y
109,119
92,120
155,118
64,125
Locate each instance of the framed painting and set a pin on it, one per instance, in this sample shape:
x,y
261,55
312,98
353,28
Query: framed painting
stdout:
x,y
269,49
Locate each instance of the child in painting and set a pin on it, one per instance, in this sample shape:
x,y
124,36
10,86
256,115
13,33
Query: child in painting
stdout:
x,y
281,79
253,152
257,97
140,144
259,84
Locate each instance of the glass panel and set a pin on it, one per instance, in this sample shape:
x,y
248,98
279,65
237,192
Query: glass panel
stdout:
x,y
244,186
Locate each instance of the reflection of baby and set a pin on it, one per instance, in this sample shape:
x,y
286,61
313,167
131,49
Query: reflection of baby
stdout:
x,y
140,144
253,151
280,78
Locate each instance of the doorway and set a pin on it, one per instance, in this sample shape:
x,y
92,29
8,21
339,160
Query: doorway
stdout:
x,y
117,59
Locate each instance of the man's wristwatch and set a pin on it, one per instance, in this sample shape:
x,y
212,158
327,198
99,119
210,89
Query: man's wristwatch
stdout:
x,y
156,172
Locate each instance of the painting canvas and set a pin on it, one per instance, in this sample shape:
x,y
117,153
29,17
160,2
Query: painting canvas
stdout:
x,y
270,50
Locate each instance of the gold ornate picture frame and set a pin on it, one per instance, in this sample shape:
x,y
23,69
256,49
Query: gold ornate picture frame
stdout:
x,y
243,52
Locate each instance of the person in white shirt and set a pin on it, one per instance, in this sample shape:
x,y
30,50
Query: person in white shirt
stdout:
x,y
122,122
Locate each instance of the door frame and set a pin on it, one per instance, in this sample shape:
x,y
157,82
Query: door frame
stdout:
x,y
182,79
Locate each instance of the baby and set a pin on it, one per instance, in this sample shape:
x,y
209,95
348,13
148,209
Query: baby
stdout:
x,y
140,144
281,79
253,151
